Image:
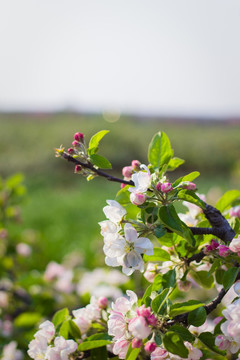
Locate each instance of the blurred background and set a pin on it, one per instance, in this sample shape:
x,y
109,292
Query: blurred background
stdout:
x,y
132,67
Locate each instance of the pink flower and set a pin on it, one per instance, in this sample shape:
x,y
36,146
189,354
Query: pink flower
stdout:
x,y
139,328
143,311
75,143
23,249
102,302
235,211
150,346
222,342
166,187
234,245
223,250
71,151
151,272
127,172
62,348
47,330
120,348
136,343
194,354
152,320
137,198
78,136
53,270
77,169
159,354
37,348
136,165
189,185
10,352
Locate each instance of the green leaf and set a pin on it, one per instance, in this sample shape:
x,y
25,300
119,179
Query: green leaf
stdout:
x,y
174,163
94,141
190,196
100,353
197,317
170,219
202,278
174,344
99,336
208,339
158,255
123,196
214,266
190,177
100,161
88,345
60,316
160,231
219,276
159,301
133,354
183,332
159,151
229,277
27,319
146,296
169,279
227,199
157,283
181,308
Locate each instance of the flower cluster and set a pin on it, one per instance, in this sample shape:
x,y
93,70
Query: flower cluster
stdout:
x,y
45,346
122,250
129,323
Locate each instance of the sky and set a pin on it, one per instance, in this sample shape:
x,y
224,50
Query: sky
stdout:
x,y
162,57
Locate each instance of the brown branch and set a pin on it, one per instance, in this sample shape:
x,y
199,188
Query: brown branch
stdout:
x,y
89,166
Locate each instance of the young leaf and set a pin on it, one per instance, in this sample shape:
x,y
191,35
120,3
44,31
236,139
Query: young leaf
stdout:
x,y
60,316
94,141
159,301
202,278
88,345
170,219
183,332
191,197
157,283
227,199
174,163
133,354
158,255
181,308
174,344
159,151
146,296
197,317
100,161
229,277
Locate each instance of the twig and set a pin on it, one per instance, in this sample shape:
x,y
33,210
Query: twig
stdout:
x,y
97,171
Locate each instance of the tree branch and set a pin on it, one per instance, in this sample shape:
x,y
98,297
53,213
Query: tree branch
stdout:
x,y
89,166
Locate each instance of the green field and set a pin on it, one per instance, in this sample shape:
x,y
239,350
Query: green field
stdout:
x,y
63,208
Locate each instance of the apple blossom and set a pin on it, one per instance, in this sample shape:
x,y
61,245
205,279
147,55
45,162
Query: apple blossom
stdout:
x,y
142,180
10,352
166,187
137,198
136,165
151,271
150,346
136,343
159,354
223,250
139,328
234,245
37,348
114,211
235,211
120,348
61,349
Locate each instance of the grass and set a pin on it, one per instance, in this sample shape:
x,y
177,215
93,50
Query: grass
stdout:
x,y
64,209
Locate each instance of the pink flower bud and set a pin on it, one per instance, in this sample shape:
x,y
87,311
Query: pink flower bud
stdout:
x,y
102,302
122,185
184,285
136,343
152,320
137,198
79,136
143,311
223,250
71,151
189,185
78,169
235,211
136,165
75,143
158,186
150,346
159,354
214,244
127,171
166,187
234,245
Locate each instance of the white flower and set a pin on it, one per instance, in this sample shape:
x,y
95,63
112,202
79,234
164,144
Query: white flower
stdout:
x,y
126,251
142,181
10,352
37,348
86,315
47,330
62,348
114,211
